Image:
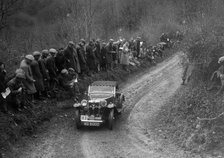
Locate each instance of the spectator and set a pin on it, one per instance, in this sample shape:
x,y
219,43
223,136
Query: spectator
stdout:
x,y
37,75
82,59
185,63
2,87
74,80
66,81
76,57
220,75
91,58
125,56
16,87
60,60
109,56
164,37
72,57
29,81
52,70
103,57
138,46
44,72
97,54
114,55
45,54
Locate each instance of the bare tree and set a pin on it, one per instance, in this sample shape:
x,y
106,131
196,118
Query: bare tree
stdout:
x,y
7,9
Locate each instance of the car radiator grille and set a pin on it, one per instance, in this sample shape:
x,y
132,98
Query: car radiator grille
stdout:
x,y
94,109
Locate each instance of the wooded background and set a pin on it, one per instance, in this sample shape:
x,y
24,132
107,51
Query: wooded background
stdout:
x,y
28,25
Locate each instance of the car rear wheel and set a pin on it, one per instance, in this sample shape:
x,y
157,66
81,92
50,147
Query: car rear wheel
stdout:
x,y
77,119
111,119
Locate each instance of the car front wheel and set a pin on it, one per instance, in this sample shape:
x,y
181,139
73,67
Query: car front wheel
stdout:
x,y
77,119
111,119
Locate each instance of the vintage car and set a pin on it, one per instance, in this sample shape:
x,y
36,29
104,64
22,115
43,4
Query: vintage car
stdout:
x,y
101,105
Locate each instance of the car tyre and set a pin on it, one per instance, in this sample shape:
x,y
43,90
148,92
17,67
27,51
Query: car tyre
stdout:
x,y
111,119
77,119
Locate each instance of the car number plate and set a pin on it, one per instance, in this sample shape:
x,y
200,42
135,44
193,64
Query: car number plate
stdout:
x,y
95,124
84,117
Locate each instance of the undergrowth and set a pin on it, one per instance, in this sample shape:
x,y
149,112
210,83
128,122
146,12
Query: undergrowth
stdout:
x,y
180,119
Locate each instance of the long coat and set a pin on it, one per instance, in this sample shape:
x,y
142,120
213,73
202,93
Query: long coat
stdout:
x,y
14,96
37,75
78,69
125,56
103,56
28,83
72,60
43,69
138,47
50,65
82,58
60,61
109,56
91,58
98,53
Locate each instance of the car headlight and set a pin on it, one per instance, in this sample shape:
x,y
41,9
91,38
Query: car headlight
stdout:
x,y
84,102
111,105
103,103
76,105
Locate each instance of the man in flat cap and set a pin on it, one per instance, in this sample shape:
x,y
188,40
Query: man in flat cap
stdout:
x,y
51,67
16,86
37,75
109,54
29,81
71,56
82,59
91,57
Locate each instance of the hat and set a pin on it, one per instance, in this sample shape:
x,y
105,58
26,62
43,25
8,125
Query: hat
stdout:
x,y
19,71
111,40
20,74
45,51
71,42
221,59
29,57
36,53
71,69
81,44
52,50
83,41
64,71
138,37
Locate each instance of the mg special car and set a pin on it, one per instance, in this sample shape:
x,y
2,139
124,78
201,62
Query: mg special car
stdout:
x,y
101,105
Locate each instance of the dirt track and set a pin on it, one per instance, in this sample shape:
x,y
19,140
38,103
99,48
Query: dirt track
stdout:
x,y
131,137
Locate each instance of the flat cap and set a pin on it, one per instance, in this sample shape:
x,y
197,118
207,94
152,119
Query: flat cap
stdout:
x,y
36,53
64,71
29,57
52,50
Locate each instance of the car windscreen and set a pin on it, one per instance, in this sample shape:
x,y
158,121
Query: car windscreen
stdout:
x,y
101,90
100,96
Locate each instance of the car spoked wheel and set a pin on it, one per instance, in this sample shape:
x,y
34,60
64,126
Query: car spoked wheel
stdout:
x,y
77,119
111,119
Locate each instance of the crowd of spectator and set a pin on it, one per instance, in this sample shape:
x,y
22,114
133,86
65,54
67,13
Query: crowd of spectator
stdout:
x,y
41,72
